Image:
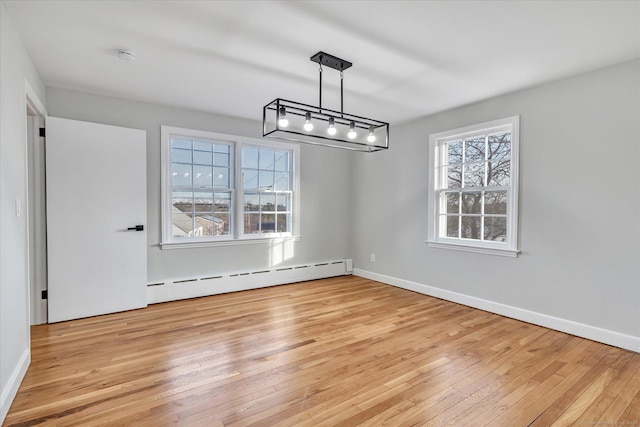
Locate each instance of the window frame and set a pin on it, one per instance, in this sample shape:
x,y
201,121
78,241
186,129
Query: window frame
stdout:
x,y
236,235
435,178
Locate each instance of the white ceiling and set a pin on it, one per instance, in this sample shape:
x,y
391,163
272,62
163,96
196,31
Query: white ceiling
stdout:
x,y
411,58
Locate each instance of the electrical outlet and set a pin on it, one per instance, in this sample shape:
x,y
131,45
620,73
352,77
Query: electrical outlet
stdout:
x,y
373,257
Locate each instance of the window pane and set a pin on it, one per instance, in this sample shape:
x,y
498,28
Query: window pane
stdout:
x,y
182,201
474,150
181,225
221,177
452,225
202,158
204,225
281,181
180,156
202,176
472,203
252,223
453,203
495,229
252,202
221,224
222,202
282,161
283,202
474,175
470,227
221,159
268,202
267,160
454,152
454,176
250,179
265,180
181,143
268,223
500,146
495,202
202,146
203,202
250,158
499,173
222,148
180,175
282,223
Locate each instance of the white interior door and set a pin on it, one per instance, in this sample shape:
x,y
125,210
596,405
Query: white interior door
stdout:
x,y
96,191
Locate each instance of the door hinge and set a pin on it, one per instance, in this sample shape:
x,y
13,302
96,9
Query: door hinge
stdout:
x,y
42,133
45,294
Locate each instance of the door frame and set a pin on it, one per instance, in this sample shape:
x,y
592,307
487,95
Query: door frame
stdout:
x,y
35,213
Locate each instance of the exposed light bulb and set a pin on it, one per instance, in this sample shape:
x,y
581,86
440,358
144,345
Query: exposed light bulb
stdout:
x,y
352,130
332,127
308,126
371,137
282,119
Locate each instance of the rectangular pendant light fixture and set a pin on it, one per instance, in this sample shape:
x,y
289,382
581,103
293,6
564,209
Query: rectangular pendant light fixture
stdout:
x,y
294,121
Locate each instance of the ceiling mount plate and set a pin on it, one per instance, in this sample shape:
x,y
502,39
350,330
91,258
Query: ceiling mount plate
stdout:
x,y
331,61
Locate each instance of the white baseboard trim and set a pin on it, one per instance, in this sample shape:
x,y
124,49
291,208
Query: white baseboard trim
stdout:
x,y
193,287
10,390
594,333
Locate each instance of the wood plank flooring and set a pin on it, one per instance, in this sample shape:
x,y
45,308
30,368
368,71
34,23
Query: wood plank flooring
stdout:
x,y
344,351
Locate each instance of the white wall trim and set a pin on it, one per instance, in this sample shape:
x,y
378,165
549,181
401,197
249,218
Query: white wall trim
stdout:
x,y
594,333
213,284
11,389
33,101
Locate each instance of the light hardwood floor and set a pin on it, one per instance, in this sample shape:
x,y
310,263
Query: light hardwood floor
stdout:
x,y
344,351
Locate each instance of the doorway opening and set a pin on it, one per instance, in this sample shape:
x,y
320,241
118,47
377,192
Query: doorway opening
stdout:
x,y
36,208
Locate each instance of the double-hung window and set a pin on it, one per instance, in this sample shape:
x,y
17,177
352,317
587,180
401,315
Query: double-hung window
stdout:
x,y
224,188
473,194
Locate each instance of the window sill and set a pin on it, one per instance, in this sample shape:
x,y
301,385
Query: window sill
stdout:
x,y
229,242
476,249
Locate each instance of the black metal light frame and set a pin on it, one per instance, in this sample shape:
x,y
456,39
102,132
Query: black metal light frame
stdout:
x,y
368,135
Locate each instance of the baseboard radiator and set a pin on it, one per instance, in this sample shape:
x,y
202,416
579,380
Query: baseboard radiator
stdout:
x,y
192,287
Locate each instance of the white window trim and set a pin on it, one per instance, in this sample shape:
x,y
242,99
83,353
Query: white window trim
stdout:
x,y
509,248
236,236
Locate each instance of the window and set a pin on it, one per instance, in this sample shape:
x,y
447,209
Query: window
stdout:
x,y
473,196
222,188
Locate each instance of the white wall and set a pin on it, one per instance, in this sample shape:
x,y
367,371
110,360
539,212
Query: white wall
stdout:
x,y
15,68
325,188
579,207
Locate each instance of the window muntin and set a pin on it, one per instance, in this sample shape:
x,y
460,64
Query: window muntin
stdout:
x,y
473,196
225,188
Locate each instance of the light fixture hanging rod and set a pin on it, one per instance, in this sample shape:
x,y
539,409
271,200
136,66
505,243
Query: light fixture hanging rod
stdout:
x,y
320,91
342,93
336,63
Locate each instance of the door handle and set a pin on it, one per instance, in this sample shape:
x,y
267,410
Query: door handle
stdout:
x,y
136,228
